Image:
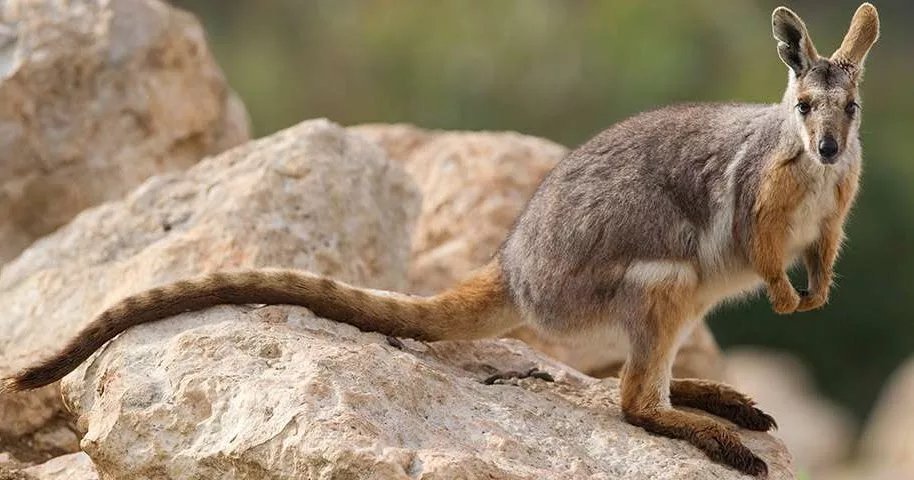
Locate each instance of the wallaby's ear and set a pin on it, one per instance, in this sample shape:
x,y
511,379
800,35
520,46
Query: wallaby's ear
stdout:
x,y
794,45
861,36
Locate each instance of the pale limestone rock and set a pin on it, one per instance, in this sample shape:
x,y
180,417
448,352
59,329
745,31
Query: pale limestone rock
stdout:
x,y
887,445
312,197
242,392
817,432
863,471
96,96
75,466
474,185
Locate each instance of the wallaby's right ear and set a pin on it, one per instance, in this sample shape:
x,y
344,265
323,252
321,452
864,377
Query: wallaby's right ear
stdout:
x,y
794,45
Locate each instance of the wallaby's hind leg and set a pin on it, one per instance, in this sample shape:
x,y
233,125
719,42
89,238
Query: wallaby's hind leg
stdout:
x,y
721,400
646,388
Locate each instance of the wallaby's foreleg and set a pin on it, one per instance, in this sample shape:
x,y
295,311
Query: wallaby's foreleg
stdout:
x,y
820,257
778,195
646,390
721,400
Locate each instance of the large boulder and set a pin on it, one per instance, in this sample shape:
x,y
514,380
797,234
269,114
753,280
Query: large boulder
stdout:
x,y
474,185
889,436
273,392
96,96
312,197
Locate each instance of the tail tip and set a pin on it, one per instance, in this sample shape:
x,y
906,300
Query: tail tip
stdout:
x,y
9,385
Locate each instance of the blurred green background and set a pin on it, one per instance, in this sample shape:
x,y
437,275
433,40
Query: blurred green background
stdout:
x,y
565,70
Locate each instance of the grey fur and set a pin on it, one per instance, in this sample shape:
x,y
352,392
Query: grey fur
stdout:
x,y
646,189
640,190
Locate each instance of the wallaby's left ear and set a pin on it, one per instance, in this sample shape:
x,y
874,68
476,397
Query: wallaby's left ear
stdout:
x,y
794,45
861,36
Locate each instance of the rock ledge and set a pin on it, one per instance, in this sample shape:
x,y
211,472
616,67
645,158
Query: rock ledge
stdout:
x,y
277,393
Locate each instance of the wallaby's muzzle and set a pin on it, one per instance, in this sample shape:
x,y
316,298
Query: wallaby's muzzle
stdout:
x,y
828,150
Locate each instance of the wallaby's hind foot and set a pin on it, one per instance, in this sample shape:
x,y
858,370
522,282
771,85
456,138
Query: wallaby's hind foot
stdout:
x,y
710,436
721,400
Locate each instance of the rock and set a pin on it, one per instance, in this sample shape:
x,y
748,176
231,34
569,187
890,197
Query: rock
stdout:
x,y
96,96
32,430
867,472
76,466
698,357
10,468
312,197
474,185
817,432
276,393
887,444
40,436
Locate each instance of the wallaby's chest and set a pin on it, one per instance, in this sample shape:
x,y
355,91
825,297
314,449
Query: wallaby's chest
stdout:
x,y
818,202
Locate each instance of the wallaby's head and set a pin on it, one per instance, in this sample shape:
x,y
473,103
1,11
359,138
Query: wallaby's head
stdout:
x,y
822,92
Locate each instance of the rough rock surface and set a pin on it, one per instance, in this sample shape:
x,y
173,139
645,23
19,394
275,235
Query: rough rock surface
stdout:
x,y
76,466
816,431
96,96
474,185
36,429
312,197
274,392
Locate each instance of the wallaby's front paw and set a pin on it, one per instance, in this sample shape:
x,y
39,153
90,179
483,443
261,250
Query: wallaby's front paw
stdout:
x,y
784,301
812,300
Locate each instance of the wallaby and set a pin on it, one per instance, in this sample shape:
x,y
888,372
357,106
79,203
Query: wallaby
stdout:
x,y
644,228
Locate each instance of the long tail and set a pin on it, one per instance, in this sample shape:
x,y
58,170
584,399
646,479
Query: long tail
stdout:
x,y
477,308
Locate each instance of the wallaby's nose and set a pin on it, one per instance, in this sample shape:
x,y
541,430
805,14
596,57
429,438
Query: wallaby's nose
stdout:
x,y
828,147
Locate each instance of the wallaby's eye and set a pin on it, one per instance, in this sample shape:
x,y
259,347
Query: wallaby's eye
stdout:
x,y
803,108
851,108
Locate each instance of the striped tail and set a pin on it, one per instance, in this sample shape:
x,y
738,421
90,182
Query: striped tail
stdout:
x,y
477,308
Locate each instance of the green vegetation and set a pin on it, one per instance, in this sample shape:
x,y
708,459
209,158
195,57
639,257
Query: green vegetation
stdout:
x,y
564,70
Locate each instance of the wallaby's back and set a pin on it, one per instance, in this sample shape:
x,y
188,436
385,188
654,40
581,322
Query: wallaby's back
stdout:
x,y
676,184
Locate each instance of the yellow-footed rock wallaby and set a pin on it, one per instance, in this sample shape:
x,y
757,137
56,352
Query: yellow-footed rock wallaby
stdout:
x,y
644,228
